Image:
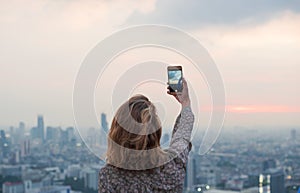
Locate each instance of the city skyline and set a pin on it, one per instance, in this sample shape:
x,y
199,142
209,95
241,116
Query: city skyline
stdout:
x,y
52,139
255,51
245,161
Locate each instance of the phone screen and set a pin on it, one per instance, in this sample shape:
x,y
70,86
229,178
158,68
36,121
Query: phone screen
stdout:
x,y
175,78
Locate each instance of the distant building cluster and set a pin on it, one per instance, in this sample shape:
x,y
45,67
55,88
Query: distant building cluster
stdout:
x,y
259,162
47,159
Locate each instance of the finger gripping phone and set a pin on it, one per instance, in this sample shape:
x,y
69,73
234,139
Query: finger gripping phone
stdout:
x,y
175,78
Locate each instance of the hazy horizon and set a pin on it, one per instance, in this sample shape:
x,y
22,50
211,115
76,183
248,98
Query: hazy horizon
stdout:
x,y
256,50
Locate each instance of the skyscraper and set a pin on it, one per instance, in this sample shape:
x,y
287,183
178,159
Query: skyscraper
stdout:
x,y
40,127
277,182
2,136
104,124
25,151
4,144
70,133
190,176
21,131
90,178
22,128
52,133
34,133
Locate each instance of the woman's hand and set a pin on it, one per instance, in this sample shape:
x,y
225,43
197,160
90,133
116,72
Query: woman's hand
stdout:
x,y
183,97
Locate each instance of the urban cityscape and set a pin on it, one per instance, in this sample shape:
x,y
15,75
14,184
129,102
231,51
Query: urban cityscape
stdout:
x,y
46,159
67,65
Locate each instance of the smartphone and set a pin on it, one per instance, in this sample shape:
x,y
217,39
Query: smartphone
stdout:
x,y
175,78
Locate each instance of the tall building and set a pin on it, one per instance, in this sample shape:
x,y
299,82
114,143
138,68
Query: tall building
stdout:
x,y
22,125
34,133
70,133
4,144
90,178
190,176
21,129
276,180
38,131
63,136
11,134
2,136
40,127
19,133
25,151
104,124
52,133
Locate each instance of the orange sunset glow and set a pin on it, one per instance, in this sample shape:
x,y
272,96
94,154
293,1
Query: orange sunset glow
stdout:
x,y
261,109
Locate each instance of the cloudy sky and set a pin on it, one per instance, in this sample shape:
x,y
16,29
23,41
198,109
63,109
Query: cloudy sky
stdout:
x,y
255,45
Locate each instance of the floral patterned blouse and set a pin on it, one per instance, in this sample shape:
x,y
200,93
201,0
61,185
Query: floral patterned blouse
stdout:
x,y
166,178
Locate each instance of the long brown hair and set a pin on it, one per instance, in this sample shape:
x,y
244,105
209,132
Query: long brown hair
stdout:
x,y
135,128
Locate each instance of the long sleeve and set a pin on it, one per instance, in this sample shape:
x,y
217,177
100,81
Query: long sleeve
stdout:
x,y
182,131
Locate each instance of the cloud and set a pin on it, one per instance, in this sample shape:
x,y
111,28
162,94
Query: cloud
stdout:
x,y
71,14
195,13
259,63
42,45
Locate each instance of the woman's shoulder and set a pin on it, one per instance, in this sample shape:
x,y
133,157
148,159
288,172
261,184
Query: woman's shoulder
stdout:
x,y
106,169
